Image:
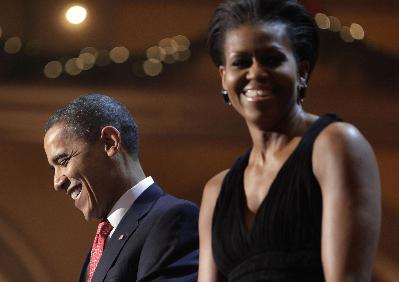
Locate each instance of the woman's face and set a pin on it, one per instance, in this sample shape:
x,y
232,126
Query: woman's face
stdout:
x,y
260,72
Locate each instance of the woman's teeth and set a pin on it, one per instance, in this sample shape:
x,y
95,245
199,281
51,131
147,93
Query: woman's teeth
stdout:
x,y
255,93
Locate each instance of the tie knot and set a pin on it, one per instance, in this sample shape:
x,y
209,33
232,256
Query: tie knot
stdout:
x,y
104,228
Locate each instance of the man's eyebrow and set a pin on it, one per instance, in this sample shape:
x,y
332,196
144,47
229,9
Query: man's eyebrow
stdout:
x,y
57,157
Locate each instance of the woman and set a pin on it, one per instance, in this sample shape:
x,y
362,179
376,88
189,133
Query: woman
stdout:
x,y
303,203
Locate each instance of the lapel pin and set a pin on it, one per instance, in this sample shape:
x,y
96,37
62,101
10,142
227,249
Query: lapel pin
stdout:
x,y
121,237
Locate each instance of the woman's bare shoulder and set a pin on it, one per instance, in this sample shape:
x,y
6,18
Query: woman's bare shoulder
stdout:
x,y
341,150
341,138
213,186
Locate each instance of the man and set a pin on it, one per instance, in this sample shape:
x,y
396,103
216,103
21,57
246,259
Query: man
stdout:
x,y
145,234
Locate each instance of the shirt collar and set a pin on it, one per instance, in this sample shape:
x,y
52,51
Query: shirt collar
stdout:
x,y
125,202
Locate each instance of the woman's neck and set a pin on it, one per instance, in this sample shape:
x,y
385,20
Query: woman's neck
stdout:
x,y
270,139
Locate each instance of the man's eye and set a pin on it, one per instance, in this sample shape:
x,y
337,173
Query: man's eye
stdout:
x,y
64,162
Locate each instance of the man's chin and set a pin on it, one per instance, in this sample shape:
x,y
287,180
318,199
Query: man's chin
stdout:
x,y
88,216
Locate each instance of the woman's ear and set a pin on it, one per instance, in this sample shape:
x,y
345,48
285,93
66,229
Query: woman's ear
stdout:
x,y
112,140
303,70
222,72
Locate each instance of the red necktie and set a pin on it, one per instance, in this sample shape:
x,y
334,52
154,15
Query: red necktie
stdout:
x,y
103,230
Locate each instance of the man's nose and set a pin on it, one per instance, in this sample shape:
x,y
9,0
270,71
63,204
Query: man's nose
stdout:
x,y
61,183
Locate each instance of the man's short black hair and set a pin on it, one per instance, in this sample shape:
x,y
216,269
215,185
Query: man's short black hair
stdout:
x,y
87,115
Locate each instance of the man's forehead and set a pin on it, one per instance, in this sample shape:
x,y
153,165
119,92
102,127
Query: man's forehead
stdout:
x,y
58,131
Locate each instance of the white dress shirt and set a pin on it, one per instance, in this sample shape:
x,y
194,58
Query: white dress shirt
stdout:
x,y
125,202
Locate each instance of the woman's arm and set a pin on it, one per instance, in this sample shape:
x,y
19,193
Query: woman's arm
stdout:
x,y
345,166
207,268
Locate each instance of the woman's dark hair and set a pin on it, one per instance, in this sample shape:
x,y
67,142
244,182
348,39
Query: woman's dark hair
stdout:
x,y
231,14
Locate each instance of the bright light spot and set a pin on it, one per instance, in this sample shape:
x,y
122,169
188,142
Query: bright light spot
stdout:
x,y
103,58
152,67
76,14
88,60
345,34
90,50
73,66
322,21
169,59
53,69
13,45
169,45
182,56
119,54
156,52
335,24
357,31
183,43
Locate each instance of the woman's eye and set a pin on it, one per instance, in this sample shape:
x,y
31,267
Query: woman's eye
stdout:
x,y
273,61
241,63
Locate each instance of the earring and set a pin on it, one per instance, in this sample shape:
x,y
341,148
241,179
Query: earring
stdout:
x,y
225,96
302,86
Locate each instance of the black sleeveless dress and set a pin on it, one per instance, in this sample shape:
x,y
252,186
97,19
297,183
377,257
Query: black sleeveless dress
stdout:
x,y
284,241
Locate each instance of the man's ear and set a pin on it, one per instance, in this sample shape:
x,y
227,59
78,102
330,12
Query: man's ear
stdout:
x,y
112,140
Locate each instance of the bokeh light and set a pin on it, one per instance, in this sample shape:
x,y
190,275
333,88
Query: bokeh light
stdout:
x,y
76,14
119,54
155,52
345,34
73,66
152,67
335,24
88,60
13,45
168,45
90,50
52,69
322,21
169,58
183,43
182,55
357,31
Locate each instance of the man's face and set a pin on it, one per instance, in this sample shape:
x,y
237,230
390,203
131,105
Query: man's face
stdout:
x,y
82,171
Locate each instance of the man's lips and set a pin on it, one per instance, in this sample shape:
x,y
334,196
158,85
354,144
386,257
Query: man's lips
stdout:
x,y
74,192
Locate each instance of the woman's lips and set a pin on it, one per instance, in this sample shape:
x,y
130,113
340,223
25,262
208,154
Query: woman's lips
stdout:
x,y
257,94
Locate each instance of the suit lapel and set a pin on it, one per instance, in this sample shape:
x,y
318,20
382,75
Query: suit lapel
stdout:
x,y
126,228
83,271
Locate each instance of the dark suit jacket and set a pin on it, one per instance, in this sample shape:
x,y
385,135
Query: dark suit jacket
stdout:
x,y
156,240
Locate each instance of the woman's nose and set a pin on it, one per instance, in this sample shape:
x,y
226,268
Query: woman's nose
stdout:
x,y
257,71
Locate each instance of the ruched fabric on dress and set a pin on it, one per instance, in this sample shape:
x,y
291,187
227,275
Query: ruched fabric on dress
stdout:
x,y
283,243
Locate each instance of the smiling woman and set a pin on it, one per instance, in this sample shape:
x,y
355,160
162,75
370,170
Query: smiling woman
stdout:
x,y
303,202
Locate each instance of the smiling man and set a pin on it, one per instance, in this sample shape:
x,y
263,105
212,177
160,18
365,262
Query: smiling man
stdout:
x,y
144,234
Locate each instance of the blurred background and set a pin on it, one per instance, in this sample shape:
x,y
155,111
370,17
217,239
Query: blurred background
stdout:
x,y
150,55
